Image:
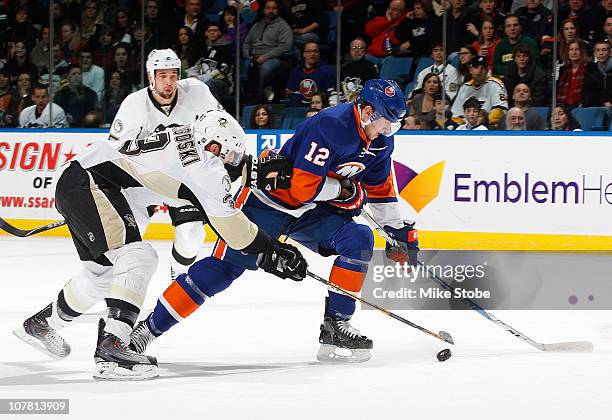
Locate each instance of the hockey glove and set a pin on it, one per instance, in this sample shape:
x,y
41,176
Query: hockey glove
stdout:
x,y
267,173
407,248
284,261
351,198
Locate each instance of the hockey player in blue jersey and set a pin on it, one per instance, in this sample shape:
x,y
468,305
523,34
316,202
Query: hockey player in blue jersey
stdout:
x,y
340,157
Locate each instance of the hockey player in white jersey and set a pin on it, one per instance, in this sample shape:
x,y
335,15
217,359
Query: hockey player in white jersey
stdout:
x,y
184,164
166,102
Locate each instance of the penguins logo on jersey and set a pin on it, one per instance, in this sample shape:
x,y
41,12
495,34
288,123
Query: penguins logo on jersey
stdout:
x,y
222,122
350,169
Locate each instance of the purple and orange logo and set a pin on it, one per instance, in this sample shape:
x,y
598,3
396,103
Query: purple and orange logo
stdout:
x,y
418,189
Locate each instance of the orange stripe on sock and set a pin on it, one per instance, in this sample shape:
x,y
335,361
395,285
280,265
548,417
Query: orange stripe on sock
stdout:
x,y
219,251
347,279
242,197
180,301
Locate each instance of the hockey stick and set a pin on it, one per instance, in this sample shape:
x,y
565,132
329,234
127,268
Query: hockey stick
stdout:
x,y
442,335
571,346
12,230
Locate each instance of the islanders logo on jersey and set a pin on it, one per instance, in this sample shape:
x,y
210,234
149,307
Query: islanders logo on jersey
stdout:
x,y
416,189
390,91
308,87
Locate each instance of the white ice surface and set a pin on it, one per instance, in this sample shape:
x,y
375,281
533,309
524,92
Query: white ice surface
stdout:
x,y
249,353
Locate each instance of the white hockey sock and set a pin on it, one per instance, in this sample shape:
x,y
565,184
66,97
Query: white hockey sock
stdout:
x,y
118,329
55,321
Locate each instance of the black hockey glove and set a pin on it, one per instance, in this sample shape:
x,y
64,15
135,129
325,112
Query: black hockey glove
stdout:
x,y
407,248
268,173
284,261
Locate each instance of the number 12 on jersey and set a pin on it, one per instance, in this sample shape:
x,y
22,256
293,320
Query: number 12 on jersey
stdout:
x,y
320,157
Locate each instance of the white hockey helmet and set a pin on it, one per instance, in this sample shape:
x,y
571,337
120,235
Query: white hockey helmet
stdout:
x,y
221,128
162,59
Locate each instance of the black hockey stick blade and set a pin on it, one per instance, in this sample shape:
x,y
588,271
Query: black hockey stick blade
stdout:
x,y
22,233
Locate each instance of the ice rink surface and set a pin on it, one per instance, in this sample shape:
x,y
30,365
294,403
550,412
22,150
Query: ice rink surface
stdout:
x,y
250,353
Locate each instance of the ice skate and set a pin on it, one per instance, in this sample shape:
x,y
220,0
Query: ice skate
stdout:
x,y
116,362
36,332
341,343
141,337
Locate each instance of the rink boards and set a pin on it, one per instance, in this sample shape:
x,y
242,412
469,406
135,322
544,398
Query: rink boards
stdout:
x,y
498,191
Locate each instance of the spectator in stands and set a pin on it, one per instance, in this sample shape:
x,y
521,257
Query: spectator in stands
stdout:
x,y
381,29
185,47
490,91
504,52
576,11
471,109
359,67
521,97
419,31
6,97
466,54
457,33
121,63
228,28
22,29
194,17
571,76
93,119
443,119
422,104
515,120
608,29
598,78
261,118
411,122
60,67
37,115
218,50
537,22
75,98
569,33
91,23
21,99
561,119
267,41
304,18
71,42
93,76
20,63
488,10
115,93
524,70
312,112
311,77
36,11
41,51
122,28
353,15
318,101
103,54
450,77
487,41
161,33
597,18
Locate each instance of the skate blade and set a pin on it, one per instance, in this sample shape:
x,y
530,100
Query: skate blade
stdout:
x,y
332,354
111,371
37,344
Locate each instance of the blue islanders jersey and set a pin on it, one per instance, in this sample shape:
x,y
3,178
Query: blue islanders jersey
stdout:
x,y
333,144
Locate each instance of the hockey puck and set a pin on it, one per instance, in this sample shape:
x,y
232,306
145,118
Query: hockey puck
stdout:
x,y
444,355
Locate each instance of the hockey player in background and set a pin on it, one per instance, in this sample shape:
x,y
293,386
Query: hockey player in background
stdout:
x,y
166,102
183,163
339,155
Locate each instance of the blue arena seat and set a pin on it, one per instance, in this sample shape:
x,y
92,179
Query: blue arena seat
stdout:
x,y
291,117
422,64
592,118
246,115
542,110
396,68
409,88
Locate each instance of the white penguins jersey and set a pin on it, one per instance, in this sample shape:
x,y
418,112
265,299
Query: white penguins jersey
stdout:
x,y
140,115
174,165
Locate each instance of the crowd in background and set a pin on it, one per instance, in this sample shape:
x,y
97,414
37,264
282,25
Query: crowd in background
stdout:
x,y
495,71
